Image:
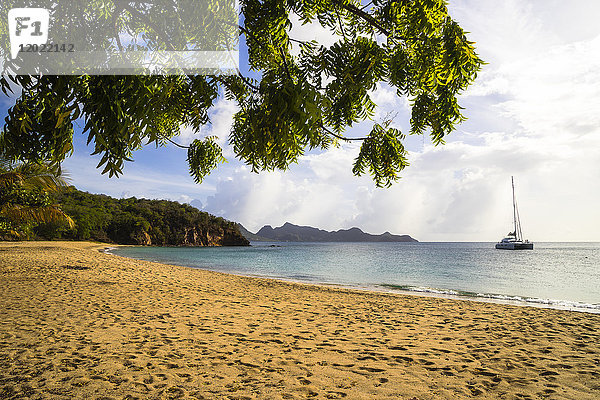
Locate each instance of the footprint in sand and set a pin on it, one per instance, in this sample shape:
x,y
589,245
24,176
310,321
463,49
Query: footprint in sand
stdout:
x,y
175,393
303,380
372,369
335,395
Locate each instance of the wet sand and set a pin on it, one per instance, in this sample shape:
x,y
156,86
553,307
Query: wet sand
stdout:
x,y
76,323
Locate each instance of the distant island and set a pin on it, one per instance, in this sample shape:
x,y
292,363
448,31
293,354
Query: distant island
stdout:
x,y
294,233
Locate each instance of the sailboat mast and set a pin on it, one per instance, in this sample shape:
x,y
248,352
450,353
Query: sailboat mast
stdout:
x,y
512,179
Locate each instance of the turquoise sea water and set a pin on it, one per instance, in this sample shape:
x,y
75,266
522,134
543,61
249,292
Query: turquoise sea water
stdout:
x,y
559,275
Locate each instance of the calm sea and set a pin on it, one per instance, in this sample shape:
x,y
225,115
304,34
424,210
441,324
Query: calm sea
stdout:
x,y
558,275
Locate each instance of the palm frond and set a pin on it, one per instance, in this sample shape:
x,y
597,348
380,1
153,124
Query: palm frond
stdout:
x,y
31,177
20,214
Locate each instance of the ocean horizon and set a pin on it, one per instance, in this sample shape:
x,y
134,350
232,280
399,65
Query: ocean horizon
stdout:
x,y
561,275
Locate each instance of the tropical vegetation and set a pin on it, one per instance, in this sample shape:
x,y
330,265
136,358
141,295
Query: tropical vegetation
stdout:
x,y
138,221
27,199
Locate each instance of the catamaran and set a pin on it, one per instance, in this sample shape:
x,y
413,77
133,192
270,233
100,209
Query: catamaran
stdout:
x,y
514,240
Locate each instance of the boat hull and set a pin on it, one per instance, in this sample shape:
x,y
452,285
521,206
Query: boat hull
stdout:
x,y
514,246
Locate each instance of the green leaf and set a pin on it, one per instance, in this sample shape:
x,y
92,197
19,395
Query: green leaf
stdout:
x,y
203,157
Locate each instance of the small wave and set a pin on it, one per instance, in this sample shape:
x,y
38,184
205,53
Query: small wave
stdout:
x,y
534,301
108,250
547,302
422,289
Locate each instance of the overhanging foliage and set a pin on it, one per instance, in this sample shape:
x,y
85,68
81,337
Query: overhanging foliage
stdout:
x,y
303,100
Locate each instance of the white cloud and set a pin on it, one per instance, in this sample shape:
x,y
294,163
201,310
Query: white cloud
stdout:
x,y
546,82
311,193
310,31
557,91
221,120
391,106
507,30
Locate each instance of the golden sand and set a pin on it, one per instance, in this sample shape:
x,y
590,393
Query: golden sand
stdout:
x,y
79,324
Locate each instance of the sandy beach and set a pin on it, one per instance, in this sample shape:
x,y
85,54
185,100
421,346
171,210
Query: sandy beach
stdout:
x,y
76,323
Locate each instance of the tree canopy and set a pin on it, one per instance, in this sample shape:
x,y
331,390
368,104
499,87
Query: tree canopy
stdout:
x,y
306,95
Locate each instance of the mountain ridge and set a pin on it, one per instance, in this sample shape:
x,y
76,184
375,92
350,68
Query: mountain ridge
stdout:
x,y
251,236
289,232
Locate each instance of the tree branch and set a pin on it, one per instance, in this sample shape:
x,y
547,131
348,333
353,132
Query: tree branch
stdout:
x,y
363,15
285,66
247,81
341,137
366,5
176,144
341,25
239,73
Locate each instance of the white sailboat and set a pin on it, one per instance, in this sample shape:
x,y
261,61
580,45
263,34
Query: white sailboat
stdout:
x,y
514,240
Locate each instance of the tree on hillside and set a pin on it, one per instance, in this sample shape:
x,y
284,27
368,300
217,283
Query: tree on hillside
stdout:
x,y
25,198
142,222
306,97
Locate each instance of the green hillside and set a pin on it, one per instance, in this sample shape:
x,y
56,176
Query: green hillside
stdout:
x,y
139,221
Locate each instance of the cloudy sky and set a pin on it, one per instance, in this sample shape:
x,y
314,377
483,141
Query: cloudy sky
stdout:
x,y
534,113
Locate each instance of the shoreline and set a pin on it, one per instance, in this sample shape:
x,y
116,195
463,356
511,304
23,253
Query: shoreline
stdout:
x,y
521,301
79,323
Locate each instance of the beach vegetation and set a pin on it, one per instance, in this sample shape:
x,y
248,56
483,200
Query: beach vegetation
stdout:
x,y
139,221
26,198
294,96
